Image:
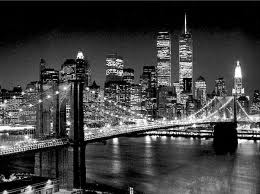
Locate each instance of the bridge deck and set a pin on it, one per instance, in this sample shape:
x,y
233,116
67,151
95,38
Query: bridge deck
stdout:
x,y
99,135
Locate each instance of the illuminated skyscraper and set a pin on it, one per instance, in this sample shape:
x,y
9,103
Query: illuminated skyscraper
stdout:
x,y
148,82
220,87
114,68
255,107
83,68
201,90
185,64
238,90
128,75
164,59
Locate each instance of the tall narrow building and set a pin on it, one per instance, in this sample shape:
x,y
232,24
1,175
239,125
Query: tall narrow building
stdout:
x,y
83,68
220,87
163,59
200,93
238,89
114,68
185,64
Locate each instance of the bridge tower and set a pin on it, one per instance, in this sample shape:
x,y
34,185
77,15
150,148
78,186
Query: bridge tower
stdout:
x,y
75,75
225,133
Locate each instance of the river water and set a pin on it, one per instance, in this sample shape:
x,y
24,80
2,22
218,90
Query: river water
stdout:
x,y
174,165
165,165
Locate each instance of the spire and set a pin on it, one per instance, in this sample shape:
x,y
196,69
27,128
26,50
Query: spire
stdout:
x,y
238,72
185,24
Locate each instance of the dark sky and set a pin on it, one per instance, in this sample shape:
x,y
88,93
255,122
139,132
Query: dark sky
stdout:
x,y
222,32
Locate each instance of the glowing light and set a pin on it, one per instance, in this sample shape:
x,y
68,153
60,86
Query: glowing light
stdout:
x,y
49,182
48,96
29,188
5,192
40,101
26,137
68,123
5,101
30,105
65,88
115,141
80,55
57,92
238,72
20,110
23,93
14,97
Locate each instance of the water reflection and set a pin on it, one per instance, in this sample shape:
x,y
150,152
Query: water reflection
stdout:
x,y
158,165
116,159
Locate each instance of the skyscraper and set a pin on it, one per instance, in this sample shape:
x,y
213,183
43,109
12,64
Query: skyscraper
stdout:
x,y
255,107
164,59
148,82
83,68
220,87
114,68
238,89
128,75
200,90
185,63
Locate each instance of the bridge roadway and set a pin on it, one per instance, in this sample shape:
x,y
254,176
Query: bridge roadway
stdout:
x,y
95,136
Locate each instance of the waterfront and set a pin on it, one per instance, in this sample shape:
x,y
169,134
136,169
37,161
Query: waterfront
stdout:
x,y
153,164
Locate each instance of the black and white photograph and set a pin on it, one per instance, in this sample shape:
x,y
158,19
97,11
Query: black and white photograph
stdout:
x,y
130,97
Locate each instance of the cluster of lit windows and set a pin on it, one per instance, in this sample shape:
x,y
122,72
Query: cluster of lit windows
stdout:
x,y
114,67
238,89
163,59
116,72
220,87
185,60
164,53
200,91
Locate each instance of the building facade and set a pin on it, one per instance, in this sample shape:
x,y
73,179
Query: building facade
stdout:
x,y
114,68
238,89
220,87
163,59
255,106
200,93
185,64
129,75
148,81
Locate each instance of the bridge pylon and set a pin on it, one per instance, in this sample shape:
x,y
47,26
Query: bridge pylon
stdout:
x,y
225,134
76,134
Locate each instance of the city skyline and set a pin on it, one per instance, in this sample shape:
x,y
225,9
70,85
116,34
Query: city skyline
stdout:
x,y
136,45
129,97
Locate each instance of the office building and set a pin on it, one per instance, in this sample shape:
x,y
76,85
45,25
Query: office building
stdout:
x,y
185,64
163,59
114,68
200,93
128,75
220,87
238,89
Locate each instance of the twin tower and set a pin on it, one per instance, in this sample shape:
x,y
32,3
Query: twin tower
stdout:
x,y
164,67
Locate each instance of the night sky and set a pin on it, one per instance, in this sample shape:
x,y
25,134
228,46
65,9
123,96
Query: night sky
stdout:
x,y
222,33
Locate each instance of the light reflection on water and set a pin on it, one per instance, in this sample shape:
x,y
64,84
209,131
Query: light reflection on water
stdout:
x,y
116,162
174,165
154,164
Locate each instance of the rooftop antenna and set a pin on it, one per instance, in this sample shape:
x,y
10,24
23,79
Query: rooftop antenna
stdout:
x,y
185,24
